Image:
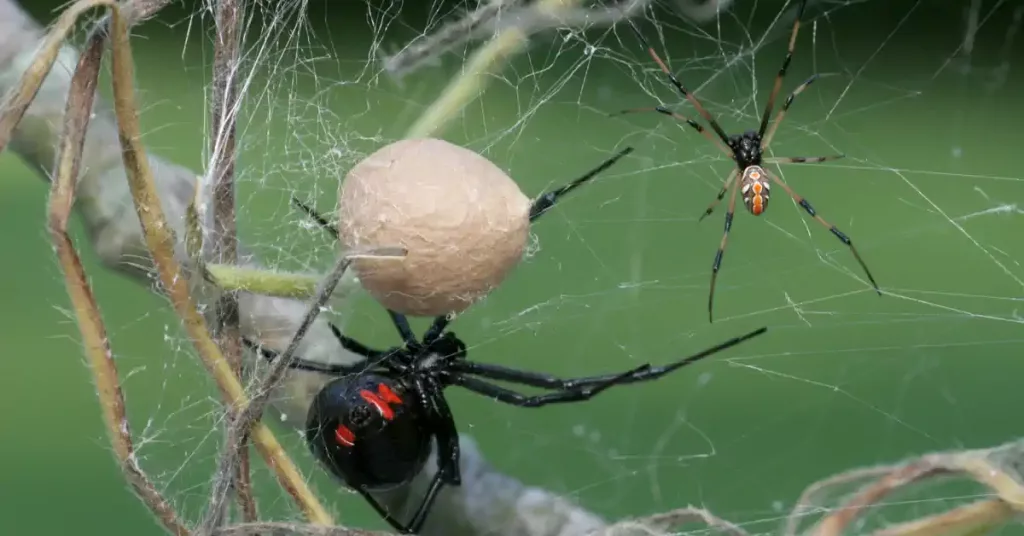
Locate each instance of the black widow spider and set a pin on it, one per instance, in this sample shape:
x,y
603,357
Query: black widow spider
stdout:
x,y
372,426
747,150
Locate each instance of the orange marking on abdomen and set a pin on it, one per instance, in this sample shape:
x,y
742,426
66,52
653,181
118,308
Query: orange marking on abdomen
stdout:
x,y
758,188
757,205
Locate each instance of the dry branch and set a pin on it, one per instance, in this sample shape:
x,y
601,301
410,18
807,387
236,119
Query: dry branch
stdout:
x,y
159,239
492,18
488,501
246,418
52,137
292,529
62,193
223,240
488,61
999,469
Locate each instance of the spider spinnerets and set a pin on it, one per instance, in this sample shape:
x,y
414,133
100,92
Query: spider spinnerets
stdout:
x,y
747,150
373,426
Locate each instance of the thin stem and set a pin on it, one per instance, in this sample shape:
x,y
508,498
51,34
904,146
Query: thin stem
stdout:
x,y
808,501
262,281
250,414
160,243
840,518
478,71
323,294
223,245
293,529
674,518
89,320
980,517
118,243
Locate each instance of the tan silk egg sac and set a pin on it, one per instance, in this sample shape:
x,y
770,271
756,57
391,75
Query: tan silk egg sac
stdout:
x,y
464,222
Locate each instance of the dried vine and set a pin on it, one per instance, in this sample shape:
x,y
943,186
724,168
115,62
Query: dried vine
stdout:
x,y
56,122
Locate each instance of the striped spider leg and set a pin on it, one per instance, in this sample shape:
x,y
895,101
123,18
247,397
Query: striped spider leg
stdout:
x,y
749,177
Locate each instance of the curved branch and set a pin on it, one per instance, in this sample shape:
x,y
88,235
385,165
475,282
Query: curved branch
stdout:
x,y
487,502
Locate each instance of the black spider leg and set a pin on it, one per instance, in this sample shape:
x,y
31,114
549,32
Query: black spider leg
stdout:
x,y
436,329
347,343
548,200
400,321
449,455
323,222
384,513
782,70
333,369
374,358
430,396
355,346
679,85
448,435
546,381
402,528
507,396
404,330
433,333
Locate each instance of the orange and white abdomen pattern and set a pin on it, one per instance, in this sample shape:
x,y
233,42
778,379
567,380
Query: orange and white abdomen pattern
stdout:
x,y
755,188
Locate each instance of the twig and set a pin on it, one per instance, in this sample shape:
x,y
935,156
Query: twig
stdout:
x,y
809,499
157,234
974,518
279,366
292,529
1001,469
240,427
674,518
223,245
87,313
161,242
836,522
496,16
701,12
486,62
429,47
488,502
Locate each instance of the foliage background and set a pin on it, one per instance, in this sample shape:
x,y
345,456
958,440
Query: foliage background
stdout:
x,y
855,380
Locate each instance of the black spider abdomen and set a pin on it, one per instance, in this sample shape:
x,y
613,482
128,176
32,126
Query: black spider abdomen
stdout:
x,y
365,431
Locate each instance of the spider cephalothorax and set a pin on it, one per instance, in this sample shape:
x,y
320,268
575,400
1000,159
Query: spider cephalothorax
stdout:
x,y
374,425
747,150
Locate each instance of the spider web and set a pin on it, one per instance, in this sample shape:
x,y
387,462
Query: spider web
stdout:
x,y
920,98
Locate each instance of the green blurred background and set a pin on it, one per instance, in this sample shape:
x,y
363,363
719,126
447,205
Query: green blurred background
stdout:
x,y
931,193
